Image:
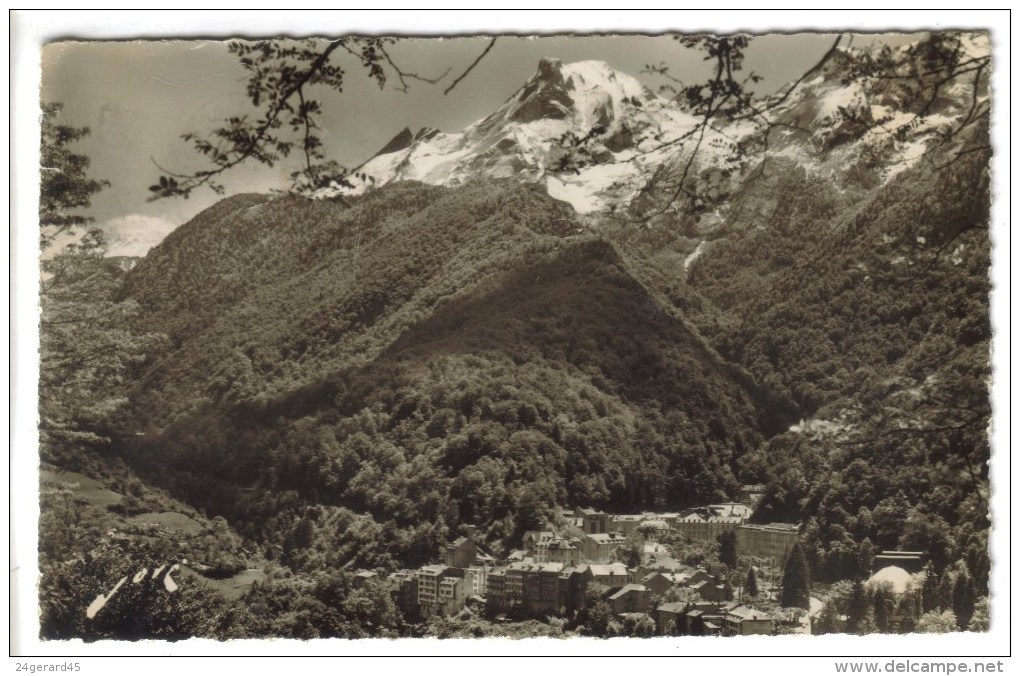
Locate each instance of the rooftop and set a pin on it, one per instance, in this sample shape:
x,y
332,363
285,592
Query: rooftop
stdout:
x,y
746,613
607,538
627,588
561,544
608,569
709,518
777,527
673,607
665,563
894,575
539,535
532,567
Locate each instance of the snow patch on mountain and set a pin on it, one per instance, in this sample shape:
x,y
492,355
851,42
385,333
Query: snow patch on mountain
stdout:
x,y
693,256
832,99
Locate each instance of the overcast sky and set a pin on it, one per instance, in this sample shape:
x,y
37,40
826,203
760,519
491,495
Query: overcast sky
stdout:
x,y
139,97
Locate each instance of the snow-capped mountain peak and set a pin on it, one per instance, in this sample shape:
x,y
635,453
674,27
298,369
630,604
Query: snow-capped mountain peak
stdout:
x,y
588,93
586,130
598,138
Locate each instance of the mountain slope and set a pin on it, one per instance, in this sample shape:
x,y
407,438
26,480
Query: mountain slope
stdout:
x,y
276,289
481,356
873,316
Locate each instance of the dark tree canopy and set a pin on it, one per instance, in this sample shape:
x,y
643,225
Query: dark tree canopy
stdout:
x,y
751,583
858,608
796,580
728,548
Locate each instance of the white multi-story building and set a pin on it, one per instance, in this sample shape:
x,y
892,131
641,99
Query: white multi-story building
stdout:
x,y
428,584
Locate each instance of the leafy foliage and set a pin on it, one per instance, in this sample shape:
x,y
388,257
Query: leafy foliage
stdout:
x,y
65,187
936,623
87,350
284,80
751,583
139,604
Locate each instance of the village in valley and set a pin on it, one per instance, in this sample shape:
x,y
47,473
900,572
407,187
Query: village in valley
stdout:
x,y
704,571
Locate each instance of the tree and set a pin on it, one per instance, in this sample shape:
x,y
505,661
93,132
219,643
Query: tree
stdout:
x,y
796,580
114,592
638,627
728,548
918,75
629,553
529,515
86,348
865,556
283,80
930,589
751,583
859,609
884,605
936,622
64,188
964,597
680,594
596,613
981,619
372,610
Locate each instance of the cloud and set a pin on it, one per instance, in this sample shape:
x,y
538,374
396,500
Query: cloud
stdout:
x,y
135,234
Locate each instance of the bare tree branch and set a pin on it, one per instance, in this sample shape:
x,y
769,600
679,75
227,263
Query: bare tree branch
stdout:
x,y
470,68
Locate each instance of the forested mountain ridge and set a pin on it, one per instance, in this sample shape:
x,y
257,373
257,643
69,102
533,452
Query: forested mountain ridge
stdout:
x,y
502,359
302,281
874,318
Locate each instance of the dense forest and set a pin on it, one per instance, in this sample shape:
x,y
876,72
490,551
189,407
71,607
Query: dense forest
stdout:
x,y
876,323
488,356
